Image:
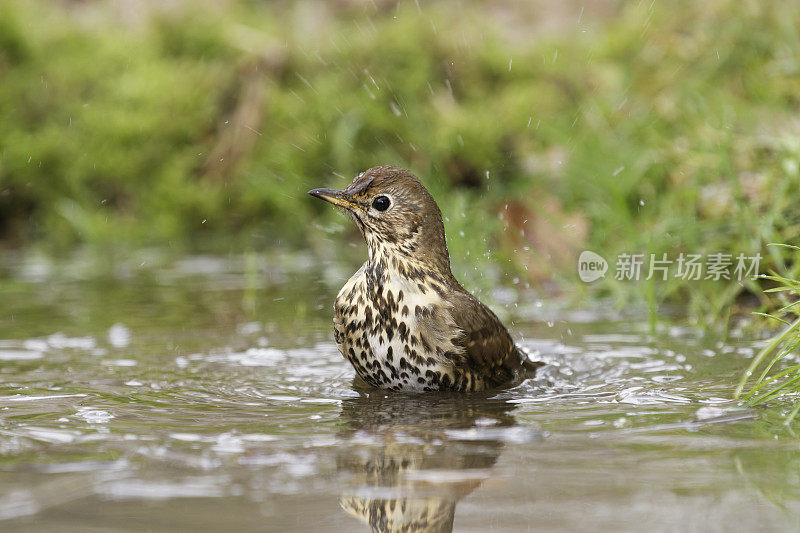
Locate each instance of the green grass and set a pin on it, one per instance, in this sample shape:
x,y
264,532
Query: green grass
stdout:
x,y
645,127
779,377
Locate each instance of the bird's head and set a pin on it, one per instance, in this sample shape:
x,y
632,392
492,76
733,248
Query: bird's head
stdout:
x,y
396,215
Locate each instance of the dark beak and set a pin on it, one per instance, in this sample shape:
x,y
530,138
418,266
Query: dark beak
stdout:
x,y
338,198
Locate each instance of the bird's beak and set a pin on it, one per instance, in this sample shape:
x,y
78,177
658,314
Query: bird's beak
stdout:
x,y
338,198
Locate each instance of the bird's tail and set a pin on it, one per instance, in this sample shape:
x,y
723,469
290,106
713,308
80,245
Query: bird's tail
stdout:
x,y
528,363
532,366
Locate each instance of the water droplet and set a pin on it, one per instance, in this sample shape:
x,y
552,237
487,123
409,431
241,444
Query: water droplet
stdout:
x,y
119,336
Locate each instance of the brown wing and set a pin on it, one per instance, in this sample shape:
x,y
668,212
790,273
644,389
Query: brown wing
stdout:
x,y
488,346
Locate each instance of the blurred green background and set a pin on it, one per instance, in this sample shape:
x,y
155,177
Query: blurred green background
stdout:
x,y
542,128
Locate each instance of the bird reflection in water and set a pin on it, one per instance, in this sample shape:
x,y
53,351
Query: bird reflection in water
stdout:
x,y
411,459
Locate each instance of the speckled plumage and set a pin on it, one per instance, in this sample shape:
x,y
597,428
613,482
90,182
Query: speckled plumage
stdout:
x,y
403,320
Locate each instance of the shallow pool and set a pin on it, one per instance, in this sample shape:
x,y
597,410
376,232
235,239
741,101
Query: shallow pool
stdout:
x,y
206,394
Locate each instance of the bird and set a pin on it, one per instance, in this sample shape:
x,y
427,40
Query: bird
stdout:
x,y
403,320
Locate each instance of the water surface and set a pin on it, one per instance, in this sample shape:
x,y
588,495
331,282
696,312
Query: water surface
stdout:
x,y
206,394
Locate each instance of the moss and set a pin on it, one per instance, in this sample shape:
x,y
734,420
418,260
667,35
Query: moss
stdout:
x,y
659,128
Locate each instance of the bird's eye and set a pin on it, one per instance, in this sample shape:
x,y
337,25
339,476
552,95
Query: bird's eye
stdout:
x,y
381,203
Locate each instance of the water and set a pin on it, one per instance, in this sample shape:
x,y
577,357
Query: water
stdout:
x,y
206,394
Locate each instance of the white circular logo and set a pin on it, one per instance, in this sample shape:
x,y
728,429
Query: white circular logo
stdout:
x,y
591,266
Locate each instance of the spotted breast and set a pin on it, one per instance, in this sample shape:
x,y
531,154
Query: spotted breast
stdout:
x,y
398,334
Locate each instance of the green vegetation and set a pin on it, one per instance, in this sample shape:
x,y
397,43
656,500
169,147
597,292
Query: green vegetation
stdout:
x,y
780,378
644,127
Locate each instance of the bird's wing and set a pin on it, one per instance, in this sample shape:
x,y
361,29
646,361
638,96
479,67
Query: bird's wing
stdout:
x,y
485,341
